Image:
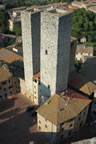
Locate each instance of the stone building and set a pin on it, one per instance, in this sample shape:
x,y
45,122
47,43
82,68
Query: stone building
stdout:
x,y
82,52
9,85
63,115
31,46
55,51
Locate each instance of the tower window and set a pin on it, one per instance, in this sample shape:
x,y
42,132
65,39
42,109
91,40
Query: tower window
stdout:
x,y
46,52
48,86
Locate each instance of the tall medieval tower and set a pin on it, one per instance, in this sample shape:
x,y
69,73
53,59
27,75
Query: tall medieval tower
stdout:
x,y
31,45
55,51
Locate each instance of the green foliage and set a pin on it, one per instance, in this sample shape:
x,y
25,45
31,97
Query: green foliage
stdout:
x,y
3,21
84,24
17,29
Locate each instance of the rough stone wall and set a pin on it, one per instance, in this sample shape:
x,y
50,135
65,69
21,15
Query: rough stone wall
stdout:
x,y
55,52
31,46
63,53
23,86
72,56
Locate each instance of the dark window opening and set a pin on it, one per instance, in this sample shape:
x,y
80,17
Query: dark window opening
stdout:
x,y
10,92
35,80
39,83
39,127
48,86
10,87
80,124
61,136
4,89
3,83
46,52
5,95
39,121
79,117
69,133
45,126
71,125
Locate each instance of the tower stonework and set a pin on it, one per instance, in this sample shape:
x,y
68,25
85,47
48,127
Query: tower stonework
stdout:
x,y
55,51
31,45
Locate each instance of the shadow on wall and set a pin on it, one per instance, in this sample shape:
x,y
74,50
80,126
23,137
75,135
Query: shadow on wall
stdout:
x,y
45,93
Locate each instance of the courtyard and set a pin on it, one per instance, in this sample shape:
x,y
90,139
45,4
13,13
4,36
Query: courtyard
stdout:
x,y
16,125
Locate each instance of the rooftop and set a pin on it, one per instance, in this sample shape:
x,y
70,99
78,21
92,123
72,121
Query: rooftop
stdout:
x,y
9,56
84,49
83,84
61,108
4,73
57,12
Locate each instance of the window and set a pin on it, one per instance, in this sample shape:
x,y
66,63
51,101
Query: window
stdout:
x,y
39,128
35,80
10,92
39,83
48,86
5,95
80,124
69,134
10,87
61,136
9,81
79,117
70,125
84,113
35,97
35,87
3,83
4,89
35,92
39,121
46,52
45,126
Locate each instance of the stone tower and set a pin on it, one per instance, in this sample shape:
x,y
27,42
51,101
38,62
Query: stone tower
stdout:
x,y
55,51
31,45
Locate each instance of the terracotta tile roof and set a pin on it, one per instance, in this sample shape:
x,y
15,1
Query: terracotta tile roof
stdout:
x,y
37,76
9,56
4,73
59,109
81,83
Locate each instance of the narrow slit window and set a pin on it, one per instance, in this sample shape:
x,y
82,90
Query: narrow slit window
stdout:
x,y
46,52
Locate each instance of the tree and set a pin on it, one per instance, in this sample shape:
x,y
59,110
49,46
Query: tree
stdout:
x,y
84,24
3,21
17,29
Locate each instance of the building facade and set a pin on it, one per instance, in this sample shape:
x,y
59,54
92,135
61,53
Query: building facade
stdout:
x,y
63,115
82,52
9,85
